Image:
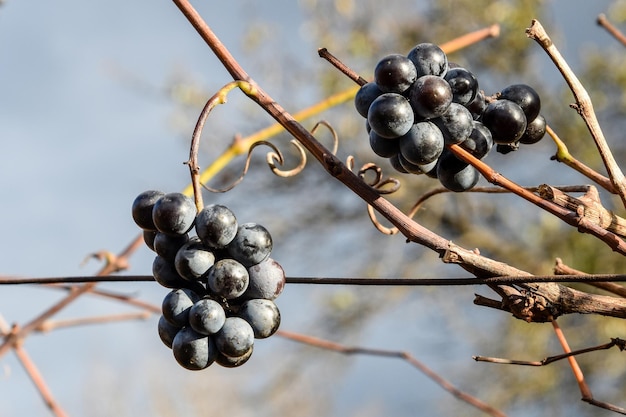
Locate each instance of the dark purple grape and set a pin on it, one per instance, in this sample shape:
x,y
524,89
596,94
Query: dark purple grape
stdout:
x,y
395,163
167,331
251,245
456,175
455,124
395,73
422,144
192,350
505,120
407,166
429,59
390,115
174,214
207,316
235,337
193,260
266,280
478,105
430,96
524,96
176,306
479,142
535,130
263,315
148,238
166,246
228,278
463,84
216,226
430,170
165,274
142,208
233,362
384,147
365,96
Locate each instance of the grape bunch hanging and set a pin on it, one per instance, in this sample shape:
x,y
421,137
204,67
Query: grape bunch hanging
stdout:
x,y
419,103
223,281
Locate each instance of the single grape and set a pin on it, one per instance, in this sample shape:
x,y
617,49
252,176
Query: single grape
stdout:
x,y
390,115
174,214
192,350
365,96
422,144
207,316
479,142
395,163
228,278
266,280
233,362
165,274
167,331
235,337
430,96
463,84
193,260
478,105
251,245
430,170
456,175
148,238
166,246
429,59
524,96
394,73
455,124
384,147
409,167
142,208
535,130
216,226
263,315
505,120
176,306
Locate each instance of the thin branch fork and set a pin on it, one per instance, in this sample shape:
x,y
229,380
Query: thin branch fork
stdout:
x,y
583,106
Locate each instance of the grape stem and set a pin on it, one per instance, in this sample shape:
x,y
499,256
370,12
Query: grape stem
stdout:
x,y
218,98
583,106
615,32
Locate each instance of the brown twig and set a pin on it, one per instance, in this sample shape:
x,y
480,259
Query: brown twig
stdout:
x,y
35,323
49,325
614,31
356,350
583,106
32,371
561,269
614,241
616,342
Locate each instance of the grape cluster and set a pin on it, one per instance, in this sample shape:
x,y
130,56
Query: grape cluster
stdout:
x,y
223,281
419,103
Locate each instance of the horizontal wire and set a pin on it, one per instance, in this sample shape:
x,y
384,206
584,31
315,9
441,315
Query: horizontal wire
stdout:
x,y
501,280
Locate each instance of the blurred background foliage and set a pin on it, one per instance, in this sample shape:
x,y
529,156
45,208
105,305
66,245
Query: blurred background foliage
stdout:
x,y
501,226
